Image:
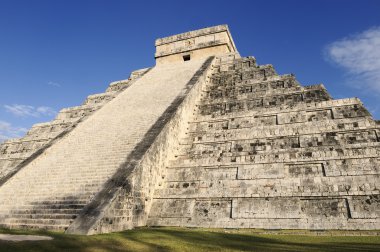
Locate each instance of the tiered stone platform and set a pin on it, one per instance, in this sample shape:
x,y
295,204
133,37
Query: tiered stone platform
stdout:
x,y
203,139
266,152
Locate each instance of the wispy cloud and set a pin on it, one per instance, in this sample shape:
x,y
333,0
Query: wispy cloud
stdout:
x,y
8,131
29,111
359,55
54,84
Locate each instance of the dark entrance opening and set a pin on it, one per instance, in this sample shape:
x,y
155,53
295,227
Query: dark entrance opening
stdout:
x,y
186,57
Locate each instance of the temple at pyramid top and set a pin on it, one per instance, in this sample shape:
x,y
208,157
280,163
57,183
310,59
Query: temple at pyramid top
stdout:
x,y
194,45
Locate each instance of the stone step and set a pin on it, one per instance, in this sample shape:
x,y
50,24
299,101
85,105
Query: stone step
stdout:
x,y
352,166
224,75
245,190
37,197
35,226
222,108
268,126
49,222
41,216
343,108
274,187
365,151
50,191
74,210
99,99
118,86
22,207
327,137
232,94
317,94
75,115
80,184
60,202
253,148
85,177
51,207
280,82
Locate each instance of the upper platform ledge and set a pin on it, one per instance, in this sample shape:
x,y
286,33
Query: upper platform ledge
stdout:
x,y
197,44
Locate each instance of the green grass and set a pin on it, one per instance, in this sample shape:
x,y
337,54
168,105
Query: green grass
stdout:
x,y
184,239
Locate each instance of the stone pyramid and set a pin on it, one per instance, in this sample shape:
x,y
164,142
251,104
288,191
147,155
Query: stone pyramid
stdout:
x,y
205,138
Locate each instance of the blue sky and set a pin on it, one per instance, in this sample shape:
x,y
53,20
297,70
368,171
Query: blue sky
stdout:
x,y
55,53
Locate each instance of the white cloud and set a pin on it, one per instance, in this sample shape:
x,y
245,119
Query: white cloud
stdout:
x,y
8,131
359,55
48,111
54,84
29,111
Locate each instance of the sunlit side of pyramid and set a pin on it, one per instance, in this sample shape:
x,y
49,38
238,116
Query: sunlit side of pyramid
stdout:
x,y
205,138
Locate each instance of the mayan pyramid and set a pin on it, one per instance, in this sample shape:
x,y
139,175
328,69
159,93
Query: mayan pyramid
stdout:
x,y
205,138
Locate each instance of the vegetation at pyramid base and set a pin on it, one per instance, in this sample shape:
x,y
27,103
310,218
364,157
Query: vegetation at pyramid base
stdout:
x,y
197,239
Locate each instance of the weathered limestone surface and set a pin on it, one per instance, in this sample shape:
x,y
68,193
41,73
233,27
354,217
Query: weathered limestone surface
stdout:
x,y
53,188
16,153
203,139
197,44
128,205
266,152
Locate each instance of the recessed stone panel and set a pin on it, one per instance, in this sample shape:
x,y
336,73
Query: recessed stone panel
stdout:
x,y
259,208
304,170
202,173
350,111
365,207
354,166
293,117
318,115
259,171
261,145
211,210
324,208
180,208
356,137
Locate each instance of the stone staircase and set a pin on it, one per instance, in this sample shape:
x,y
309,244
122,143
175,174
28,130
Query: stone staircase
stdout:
x,y
266,152
16,153
52,189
